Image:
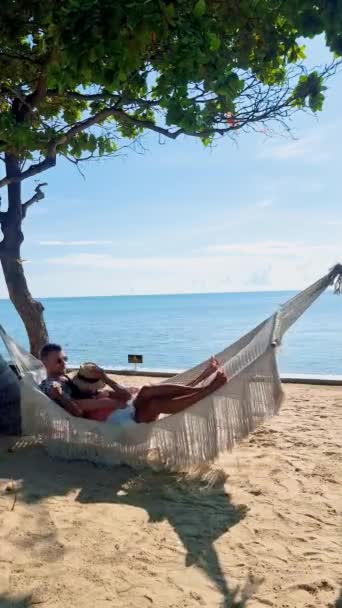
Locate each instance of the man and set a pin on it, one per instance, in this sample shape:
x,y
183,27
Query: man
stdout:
x,y
145,406
61,389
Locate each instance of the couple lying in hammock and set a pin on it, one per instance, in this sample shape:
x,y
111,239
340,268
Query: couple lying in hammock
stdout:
x,y
91,394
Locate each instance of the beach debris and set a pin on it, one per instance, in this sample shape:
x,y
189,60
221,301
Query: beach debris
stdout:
x,y
11,488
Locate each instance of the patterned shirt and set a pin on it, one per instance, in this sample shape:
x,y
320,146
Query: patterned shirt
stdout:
x,y
61,383
63,396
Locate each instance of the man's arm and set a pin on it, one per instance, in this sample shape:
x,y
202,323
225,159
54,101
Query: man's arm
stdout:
x,y
55,392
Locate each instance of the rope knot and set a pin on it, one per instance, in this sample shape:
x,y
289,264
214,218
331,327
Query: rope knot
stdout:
x,y
336,278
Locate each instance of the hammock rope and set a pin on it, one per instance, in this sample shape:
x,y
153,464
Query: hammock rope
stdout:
x,y
190,438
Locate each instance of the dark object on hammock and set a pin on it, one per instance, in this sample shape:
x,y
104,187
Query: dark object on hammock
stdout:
x,y
10,413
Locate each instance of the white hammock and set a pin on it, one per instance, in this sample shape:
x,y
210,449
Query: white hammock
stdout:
x,y
187,439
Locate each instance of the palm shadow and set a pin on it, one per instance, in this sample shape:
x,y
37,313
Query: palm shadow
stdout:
x,y
199,514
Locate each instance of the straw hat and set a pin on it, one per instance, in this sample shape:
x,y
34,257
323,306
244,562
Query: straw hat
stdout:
x,y
88,379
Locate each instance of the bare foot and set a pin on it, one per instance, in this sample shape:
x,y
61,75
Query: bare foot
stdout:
x,y
213,365
219,380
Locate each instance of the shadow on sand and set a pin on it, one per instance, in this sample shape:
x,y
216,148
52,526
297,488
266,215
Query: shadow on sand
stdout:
x,y
199,514
7,601
339,600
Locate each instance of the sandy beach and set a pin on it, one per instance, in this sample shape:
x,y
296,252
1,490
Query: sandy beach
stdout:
x,y
268,534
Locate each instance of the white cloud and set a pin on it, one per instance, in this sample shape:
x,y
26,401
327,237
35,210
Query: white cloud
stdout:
x,y
107,261
74,243
272,248
310,148
295,149
264,204
287,185
261,277
235,269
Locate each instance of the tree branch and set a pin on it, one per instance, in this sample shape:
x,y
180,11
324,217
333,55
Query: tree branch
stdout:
x,y
103,96
48,162
249,112
50,159
147,124
39,93
6,55
38,196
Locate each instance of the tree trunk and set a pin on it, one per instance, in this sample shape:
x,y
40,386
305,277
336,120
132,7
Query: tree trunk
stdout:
x,y
30,311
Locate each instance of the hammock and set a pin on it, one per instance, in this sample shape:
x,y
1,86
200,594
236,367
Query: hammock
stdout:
x,y
190,438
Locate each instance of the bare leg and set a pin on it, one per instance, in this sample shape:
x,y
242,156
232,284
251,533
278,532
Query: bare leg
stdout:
x,y
210,369
148,411
158,391
175,390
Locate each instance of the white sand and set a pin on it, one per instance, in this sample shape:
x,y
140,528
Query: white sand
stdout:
x,y
73,535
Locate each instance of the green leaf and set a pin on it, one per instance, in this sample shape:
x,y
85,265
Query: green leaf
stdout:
x,y
214,41
199,8
92,55
170,13
92,143
206,141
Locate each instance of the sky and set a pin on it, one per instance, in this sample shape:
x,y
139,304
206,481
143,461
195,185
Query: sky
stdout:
x,y
260,214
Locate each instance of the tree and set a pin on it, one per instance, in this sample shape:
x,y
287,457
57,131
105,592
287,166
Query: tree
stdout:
x,y
80,77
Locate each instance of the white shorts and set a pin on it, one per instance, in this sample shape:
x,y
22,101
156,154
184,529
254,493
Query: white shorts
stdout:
x,y
123,416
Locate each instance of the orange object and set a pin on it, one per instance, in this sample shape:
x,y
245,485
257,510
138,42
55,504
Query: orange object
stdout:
x,y
231,120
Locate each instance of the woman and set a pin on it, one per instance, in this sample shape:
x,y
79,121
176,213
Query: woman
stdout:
x,y
146,404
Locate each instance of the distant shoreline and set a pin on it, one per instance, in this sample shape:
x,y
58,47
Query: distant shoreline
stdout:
x,y
310,379
166,295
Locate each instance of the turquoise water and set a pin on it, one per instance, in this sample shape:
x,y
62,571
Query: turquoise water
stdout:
x,y
177,331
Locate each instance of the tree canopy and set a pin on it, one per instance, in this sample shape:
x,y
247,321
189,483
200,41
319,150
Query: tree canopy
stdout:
x,y
198,68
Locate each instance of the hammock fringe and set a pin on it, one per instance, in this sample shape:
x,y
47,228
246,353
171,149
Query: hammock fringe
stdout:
x,y
336,278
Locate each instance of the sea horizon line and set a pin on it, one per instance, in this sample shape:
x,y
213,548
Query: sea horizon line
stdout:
x,y
173,294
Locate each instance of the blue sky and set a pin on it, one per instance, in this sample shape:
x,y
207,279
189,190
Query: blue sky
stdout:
x,y
262,214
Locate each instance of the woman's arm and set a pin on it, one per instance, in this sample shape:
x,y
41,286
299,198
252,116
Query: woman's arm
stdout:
x,y
92,405
119,392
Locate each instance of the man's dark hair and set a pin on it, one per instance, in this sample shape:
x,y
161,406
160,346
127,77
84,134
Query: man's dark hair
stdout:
x,y
49,348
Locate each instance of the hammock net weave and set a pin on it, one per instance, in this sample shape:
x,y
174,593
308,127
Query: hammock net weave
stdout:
x,y
190,438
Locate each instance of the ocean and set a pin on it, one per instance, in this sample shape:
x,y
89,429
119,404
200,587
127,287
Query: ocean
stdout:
x,y
174,332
